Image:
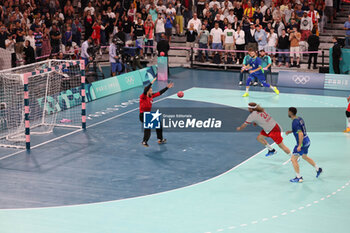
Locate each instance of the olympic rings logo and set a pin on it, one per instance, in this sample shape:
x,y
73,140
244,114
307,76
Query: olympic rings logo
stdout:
x,y
130,80
301,79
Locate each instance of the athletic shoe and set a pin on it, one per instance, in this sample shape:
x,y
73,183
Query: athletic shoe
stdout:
x,y
271,152
240,83
161,141
145,144
276,90
318,173
255,83
347,130
297,180
246,94
261,84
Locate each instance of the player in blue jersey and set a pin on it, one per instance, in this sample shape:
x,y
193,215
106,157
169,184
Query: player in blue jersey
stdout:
x,y
303,144
256,71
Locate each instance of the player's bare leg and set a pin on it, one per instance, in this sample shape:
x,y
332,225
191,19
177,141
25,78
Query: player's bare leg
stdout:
x,y
295,163
262,140
285,148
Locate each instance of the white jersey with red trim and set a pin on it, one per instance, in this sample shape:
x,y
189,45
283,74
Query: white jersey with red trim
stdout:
x,y
262,119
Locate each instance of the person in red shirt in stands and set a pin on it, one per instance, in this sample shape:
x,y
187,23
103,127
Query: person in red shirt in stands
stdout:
x,y
313,14
146,101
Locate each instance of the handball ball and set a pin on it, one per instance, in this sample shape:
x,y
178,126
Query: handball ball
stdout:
x,y
180,94
162,54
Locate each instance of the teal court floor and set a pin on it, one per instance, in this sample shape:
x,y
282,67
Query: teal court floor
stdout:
x,y
104,181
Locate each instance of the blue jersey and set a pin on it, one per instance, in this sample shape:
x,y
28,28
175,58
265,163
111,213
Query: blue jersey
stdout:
x,y
298,125
255,63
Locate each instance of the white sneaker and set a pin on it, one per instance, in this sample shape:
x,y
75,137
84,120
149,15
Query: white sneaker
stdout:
x,y
237,63
145,56
240,83
255,83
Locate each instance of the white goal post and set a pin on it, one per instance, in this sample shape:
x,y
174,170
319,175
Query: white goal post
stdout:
x,y
38,97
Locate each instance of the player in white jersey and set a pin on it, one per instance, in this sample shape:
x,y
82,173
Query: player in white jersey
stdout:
x,y
271,129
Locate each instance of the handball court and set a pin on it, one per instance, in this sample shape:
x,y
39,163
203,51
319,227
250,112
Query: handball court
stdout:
x,y
103,180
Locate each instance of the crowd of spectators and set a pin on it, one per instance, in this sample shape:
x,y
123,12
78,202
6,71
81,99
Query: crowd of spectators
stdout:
x,y
33,30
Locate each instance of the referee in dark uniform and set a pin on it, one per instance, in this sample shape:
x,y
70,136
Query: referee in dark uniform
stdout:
x,y
146,101
336,55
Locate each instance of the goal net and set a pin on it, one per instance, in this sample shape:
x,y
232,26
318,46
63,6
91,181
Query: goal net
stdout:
x,y
38,97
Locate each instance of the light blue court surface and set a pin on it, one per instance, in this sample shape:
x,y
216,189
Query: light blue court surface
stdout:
x,y
197,183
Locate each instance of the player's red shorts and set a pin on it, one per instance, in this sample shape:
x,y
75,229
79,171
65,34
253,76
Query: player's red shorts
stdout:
x,y
275,134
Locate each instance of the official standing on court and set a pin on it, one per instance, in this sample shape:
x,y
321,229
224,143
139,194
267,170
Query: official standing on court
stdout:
x,y
336,55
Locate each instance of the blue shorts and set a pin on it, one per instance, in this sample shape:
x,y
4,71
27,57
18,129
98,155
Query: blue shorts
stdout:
x,y
216,46
259,76
116,67
304,150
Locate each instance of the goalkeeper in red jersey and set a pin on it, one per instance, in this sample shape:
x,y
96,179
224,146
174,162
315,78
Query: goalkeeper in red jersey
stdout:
x,y
146,101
